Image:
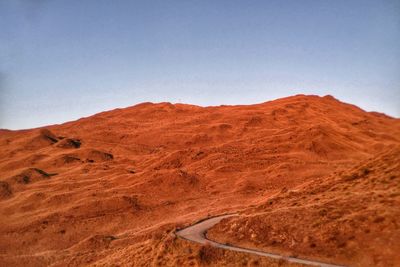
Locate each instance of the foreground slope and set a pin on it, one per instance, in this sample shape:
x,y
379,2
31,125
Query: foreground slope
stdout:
x,y
350,218
115,184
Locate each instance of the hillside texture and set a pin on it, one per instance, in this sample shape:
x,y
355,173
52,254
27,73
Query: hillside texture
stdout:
x,y
310,176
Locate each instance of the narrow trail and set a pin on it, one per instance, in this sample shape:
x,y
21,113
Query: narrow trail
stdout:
x,y
197,233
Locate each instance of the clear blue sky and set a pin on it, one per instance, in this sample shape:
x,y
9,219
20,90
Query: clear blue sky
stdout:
x,y
62,60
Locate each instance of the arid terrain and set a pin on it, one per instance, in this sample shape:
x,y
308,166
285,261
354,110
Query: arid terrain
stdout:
x,y
310,177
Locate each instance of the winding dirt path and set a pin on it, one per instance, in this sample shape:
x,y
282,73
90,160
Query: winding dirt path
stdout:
x,y
197,233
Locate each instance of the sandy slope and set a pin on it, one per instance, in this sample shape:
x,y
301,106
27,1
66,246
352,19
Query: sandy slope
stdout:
x,y
114,185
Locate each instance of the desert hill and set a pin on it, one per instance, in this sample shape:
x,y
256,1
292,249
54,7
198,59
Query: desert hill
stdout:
x,y
110,188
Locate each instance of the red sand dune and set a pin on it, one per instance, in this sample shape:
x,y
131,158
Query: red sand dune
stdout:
x,y
110,188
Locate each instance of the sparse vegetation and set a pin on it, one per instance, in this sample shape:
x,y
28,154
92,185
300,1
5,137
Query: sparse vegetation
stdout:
x,y
296,169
